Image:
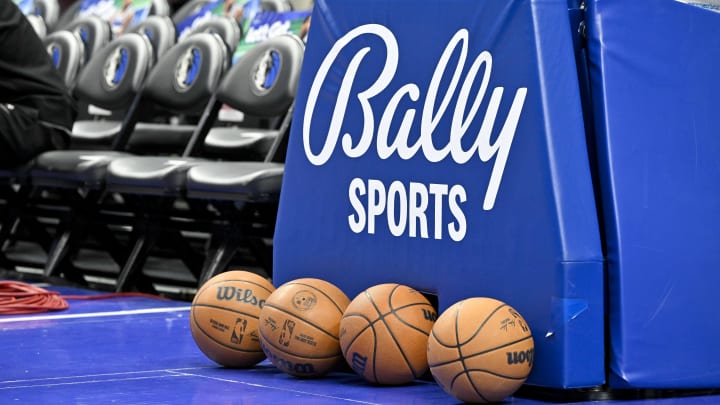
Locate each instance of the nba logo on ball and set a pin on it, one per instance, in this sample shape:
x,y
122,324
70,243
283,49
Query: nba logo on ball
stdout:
x,y
299,326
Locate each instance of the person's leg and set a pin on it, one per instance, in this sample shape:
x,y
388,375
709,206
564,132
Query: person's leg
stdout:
x,y
21,136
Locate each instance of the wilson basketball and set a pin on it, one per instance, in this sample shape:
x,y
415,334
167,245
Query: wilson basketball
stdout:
x,y
384,334
480,350
224,317
299,327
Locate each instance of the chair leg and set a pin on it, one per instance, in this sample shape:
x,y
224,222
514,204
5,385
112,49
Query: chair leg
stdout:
x,y
130,277
262,253
58,254
220,253
182,249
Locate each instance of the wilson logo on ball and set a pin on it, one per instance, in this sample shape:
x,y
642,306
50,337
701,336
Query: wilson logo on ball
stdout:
x,y
230,293
358,362
521,357
289,366
429,315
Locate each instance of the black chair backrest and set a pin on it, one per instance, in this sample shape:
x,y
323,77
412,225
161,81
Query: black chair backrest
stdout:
x,y
226,27
182,82
94,32
264,80
186,77
49,10
67,16
66,51
115,74
263,83
160,31
160,7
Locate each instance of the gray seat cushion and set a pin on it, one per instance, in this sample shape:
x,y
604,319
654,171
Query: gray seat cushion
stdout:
x,y
232,143
73,168
147,137
250,181
153,175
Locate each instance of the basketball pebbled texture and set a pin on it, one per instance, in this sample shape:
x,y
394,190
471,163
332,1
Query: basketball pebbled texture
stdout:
x,y
384,334
480,350
299,326
224,317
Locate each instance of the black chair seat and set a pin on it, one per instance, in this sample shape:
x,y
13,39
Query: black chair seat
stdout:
x,y
150,137
250,181
239,143
149,174
73,168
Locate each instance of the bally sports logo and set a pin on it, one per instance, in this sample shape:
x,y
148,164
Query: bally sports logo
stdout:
x,y
414,209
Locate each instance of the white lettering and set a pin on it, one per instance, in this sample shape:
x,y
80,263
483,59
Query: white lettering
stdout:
x,y
418,204
457,195
434,108
357,223
376,202
439,191
408,208
397,221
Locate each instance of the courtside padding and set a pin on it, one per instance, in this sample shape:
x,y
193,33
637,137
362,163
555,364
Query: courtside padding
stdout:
x,y
440,144
654,70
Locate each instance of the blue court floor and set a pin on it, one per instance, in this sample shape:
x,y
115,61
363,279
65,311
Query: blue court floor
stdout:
x,y
137,350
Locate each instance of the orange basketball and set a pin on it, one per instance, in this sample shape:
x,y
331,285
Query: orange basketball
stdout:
x,y
480,350
384,334
299,327
224,317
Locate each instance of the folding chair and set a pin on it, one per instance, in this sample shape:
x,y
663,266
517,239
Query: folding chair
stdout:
x,y
48,11
263,83
96,131
94,32
63,183
196,65
67,53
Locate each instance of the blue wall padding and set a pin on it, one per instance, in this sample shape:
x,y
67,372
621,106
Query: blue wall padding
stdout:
x,y
654,73
533,242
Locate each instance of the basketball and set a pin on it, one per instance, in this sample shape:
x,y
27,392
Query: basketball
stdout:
x,y
299,327
224,317
384,334
480,350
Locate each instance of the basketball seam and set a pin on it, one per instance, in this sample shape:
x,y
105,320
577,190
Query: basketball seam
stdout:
x,y
472,383
207,286
268,342
303,319
459,348
390,332
360,332
224,308
496,374
372,326
404,322
479,353
482,325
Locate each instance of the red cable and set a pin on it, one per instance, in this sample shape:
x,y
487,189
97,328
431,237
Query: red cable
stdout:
x,y
20,298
